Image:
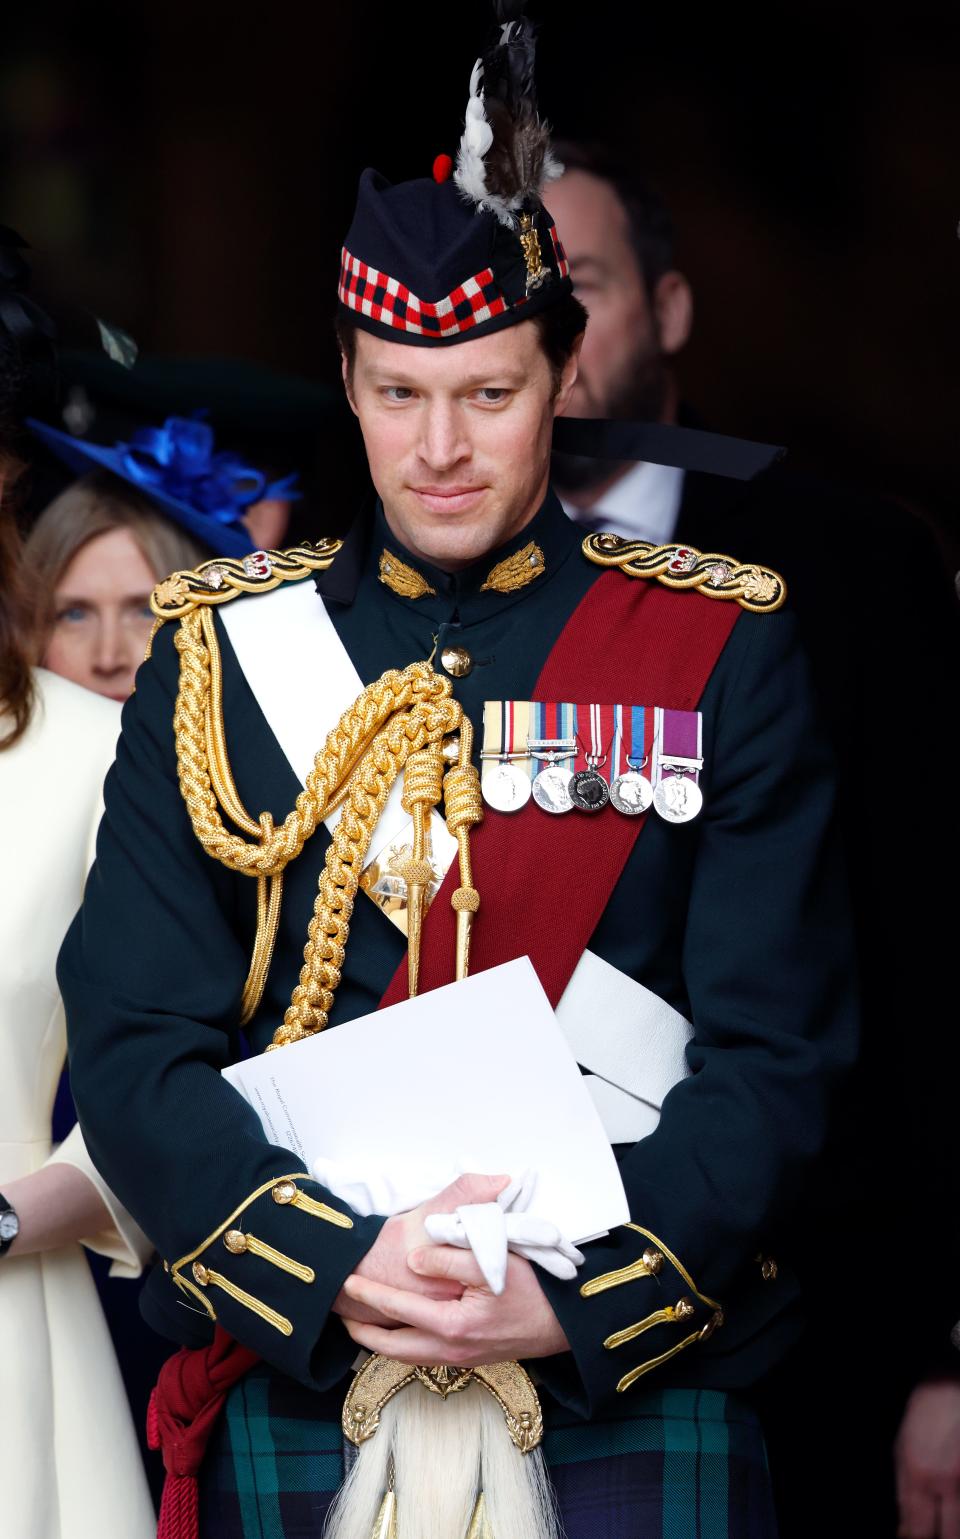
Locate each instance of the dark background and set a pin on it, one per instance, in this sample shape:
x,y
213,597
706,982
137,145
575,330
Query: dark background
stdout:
x,y
188,170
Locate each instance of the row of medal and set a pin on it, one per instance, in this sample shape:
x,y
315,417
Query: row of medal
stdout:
x,y
570,757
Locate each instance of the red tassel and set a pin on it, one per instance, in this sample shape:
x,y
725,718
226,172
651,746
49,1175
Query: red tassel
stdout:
x,y
179,1508
442,168
183,1412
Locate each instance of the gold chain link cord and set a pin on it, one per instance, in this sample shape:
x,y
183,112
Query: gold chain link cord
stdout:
x,y
395,725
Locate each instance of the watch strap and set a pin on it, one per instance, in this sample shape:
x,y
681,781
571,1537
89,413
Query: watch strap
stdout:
x,y
7,1241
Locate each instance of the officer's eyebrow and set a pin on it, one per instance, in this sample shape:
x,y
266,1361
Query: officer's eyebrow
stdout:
x,y
487,379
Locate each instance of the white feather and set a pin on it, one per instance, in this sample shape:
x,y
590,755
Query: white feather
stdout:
x,y
475,141
470,174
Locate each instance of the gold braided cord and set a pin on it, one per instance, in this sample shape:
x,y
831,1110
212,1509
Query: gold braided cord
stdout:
x,y
758,589
370,785
396,725
269,898
269,888
396,691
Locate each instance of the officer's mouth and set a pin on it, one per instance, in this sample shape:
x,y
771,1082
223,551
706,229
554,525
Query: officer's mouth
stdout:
x,y
449,499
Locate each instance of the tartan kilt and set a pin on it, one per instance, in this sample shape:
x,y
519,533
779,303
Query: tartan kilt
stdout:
x,y
682,1464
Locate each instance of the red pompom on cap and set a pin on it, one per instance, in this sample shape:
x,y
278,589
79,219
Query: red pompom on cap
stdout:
x,y
443,168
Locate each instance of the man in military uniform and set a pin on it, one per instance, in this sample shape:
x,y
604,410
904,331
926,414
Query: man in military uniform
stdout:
x,y
460,337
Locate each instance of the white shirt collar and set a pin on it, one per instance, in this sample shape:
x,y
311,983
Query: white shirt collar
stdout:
x,y
642,505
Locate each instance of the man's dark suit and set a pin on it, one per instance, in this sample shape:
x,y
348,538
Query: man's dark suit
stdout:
x,y
878,619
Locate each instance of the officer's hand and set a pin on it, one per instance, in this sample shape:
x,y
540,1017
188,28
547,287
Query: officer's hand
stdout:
x,y
478,1327
928,1463
386,1260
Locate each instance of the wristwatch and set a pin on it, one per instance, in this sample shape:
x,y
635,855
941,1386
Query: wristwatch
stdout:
x,y
9,1225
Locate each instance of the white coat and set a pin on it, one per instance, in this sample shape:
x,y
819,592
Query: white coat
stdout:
x,y
72,1467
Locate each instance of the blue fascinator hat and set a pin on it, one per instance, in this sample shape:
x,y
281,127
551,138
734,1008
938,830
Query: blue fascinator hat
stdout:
x,y
176,466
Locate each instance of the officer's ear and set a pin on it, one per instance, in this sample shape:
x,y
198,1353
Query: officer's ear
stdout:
x,y
346,374
568,377
347,343
673,312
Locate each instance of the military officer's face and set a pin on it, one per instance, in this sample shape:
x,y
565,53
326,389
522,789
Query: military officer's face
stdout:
x,y
458,438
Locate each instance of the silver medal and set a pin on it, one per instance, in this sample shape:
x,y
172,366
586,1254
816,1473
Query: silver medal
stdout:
x,y
631,793
588,790
678,799
505,787
551,789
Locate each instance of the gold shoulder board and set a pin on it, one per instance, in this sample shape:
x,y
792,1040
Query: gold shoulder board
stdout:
x,y
755,588
223,578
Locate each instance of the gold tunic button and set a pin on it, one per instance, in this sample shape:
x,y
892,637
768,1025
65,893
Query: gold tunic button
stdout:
x,y
236,1241
653,1261
713,1324
284,1192
200,1274
457,661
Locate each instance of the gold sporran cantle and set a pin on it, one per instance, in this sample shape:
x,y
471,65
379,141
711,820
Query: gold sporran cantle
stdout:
x,y
457,1456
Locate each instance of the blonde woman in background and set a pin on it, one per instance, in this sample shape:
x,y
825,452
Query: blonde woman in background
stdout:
x,y
94,556
162,503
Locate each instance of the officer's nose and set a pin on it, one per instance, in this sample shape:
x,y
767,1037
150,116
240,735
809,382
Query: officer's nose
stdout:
x,y
444,442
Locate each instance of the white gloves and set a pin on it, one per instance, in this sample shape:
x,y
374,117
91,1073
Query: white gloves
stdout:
x,y
383,1193
490,1229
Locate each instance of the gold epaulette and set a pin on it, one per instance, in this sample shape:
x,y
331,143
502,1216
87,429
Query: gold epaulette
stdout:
x,y
756,588
224,577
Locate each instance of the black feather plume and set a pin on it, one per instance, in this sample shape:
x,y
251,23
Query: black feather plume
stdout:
x,y
517,161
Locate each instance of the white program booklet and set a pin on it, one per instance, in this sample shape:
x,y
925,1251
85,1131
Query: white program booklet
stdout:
x,y
476,1076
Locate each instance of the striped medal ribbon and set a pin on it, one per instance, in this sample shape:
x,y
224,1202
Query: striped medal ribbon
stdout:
x,y
631,792
553,747
505,772
589,791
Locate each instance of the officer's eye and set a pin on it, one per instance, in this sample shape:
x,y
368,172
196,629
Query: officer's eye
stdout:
x,y
71,613
492,396
398,393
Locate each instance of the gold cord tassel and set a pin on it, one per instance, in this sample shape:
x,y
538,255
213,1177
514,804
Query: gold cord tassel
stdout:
x,y
464,808
422,790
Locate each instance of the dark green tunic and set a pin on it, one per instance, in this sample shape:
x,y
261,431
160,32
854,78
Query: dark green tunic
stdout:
x,y
737,920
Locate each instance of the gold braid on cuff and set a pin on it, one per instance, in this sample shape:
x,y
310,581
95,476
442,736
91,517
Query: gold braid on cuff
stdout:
x,y
651,1264
285,1192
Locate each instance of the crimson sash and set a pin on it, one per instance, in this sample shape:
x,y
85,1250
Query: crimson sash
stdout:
x,y
626,642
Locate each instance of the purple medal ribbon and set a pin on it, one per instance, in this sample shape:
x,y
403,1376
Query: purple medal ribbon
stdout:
x,y
679,760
